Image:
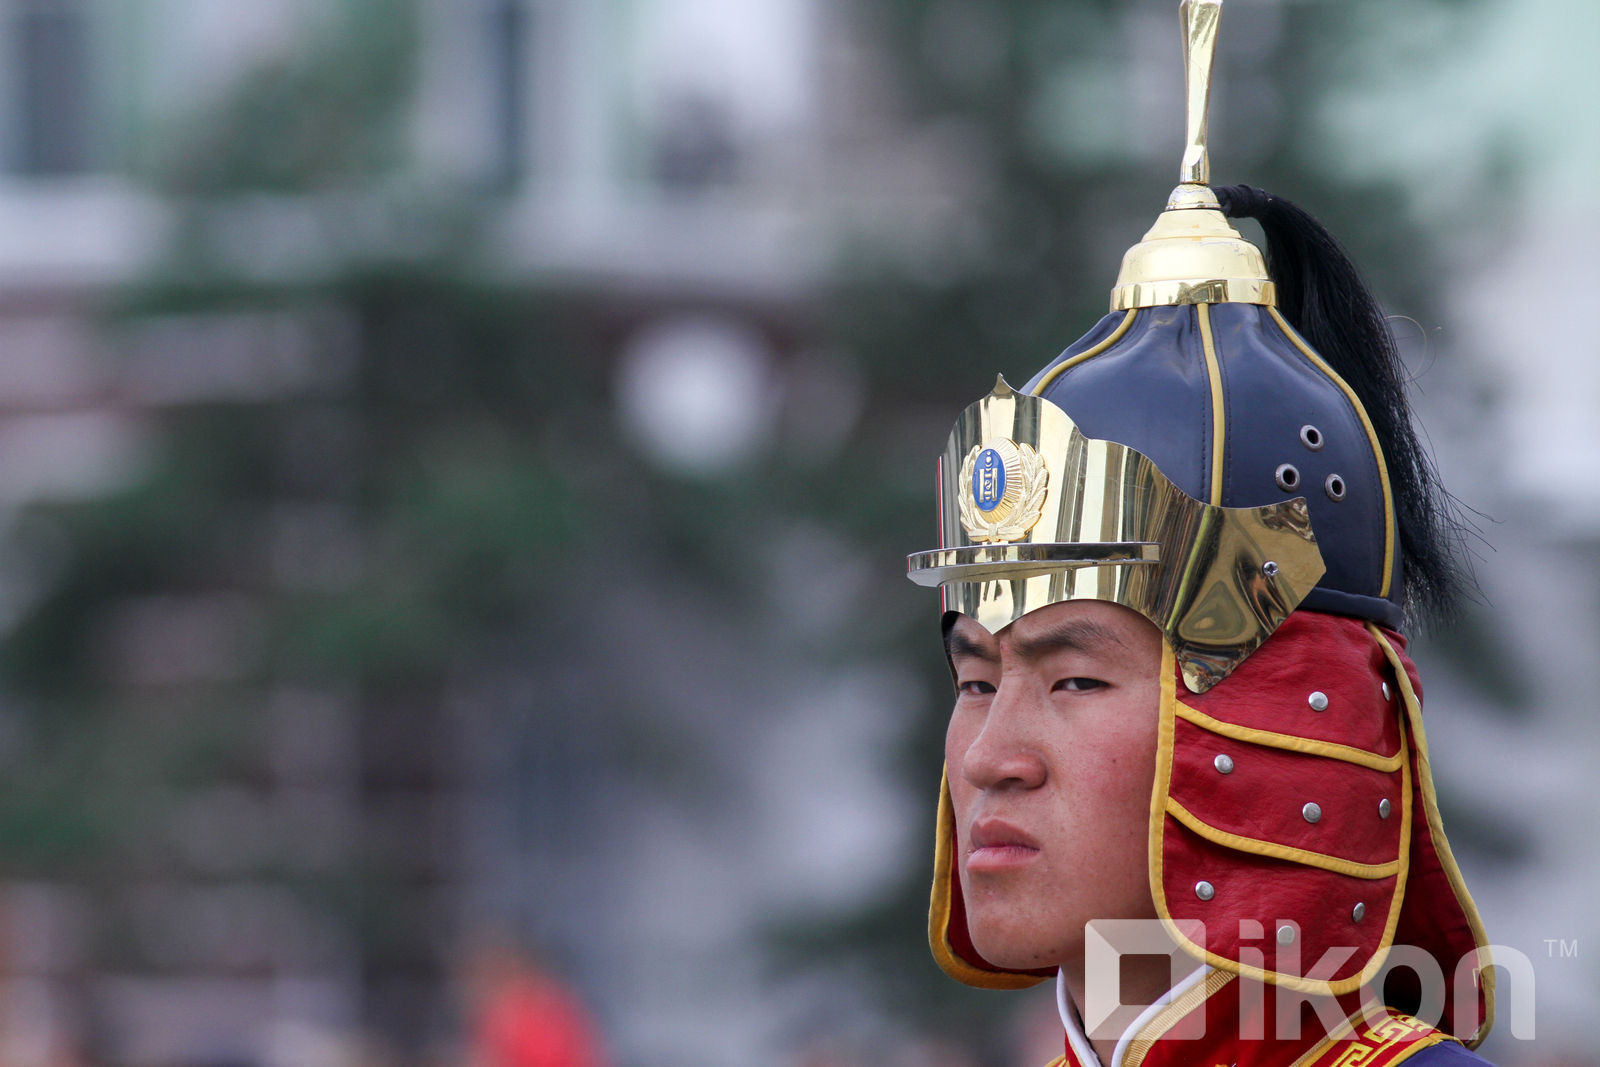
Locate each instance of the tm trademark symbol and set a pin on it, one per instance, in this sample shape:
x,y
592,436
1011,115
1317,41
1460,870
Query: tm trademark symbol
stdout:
x,y
1555,946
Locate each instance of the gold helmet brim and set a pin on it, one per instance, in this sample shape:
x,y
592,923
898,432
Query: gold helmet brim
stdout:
x,y
1033,512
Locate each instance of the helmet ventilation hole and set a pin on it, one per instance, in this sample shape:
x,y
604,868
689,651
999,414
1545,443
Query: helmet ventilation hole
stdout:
x,y
1288,478
1311,437
1335,487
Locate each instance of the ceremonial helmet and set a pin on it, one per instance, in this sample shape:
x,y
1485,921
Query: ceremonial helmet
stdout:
x,y
1230,453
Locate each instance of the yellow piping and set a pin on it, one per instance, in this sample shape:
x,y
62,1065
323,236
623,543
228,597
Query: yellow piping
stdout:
x,y
1441,845
939,911
1372,437
1291,743
1165,728
1219,416
1158,812
1257,847
1116,335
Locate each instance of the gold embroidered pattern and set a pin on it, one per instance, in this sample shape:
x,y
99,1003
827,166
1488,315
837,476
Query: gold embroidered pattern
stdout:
x,y
1387,1041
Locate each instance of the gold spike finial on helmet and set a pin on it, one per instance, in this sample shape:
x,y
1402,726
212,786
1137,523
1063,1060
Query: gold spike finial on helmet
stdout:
x,y
1192,255
1200,19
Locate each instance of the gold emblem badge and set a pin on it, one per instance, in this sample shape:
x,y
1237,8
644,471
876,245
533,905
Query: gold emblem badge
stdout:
x,y
1002,490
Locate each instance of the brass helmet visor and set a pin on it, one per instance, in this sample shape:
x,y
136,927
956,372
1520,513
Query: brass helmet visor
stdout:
x,y
1032,512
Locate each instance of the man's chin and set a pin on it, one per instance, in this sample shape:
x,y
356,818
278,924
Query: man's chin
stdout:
x,y
1014,947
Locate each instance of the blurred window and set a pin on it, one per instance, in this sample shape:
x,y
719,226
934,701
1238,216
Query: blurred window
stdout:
x,y
51,81
720,91
694,144
510,30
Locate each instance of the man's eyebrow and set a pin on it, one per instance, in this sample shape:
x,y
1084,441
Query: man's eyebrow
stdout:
x,y
958,644
1080,635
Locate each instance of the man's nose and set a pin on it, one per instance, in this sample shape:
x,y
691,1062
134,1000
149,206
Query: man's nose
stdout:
x,y
1006,753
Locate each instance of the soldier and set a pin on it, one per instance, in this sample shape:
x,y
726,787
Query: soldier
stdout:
x,y
1175,568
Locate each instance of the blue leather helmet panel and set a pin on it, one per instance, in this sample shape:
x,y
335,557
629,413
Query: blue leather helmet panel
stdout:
x,y
1151,390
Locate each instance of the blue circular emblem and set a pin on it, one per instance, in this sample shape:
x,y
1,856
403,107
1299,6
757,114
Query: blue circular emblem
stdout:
x,y
988,480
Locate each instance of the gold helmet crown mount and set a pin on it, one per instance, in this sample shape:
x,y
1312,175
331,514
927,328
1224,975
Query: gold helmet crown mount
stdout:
x,y
1192,255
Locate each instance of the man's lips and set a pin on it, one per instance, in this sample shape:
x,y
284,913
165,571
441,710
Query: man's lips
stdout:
x,y
998,846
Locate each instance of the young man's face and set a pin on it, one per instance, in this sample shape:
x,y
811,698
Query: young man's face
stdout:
x,y
1051,758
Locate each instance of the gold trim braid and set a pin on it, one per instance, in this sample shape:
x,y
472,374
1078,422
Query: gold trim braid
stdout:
x,y
1162,805
1172,1014
1441,845
1291,742
1219,411
1258,847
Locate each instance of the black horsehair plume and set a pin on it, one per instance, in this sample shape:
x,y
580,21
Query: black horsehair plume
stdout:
x,y
1322,296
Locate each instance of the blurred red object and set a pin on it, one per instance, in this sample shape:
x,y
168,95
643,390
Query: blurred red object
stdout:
x,y
525,1017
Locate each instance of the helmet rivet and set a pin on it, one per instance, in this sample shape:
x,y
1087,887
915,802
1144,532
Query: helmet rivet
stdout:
x,y
1205,890
1285,935
1287,477
1386,690
1311,437
1312,812
1384,807
1318,701
1335,487
1358,912
1270,569
1223,763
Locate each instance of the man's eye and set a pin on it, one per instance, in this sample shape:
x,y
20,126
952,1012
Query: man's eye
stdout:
x,y
1079,685
973,689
